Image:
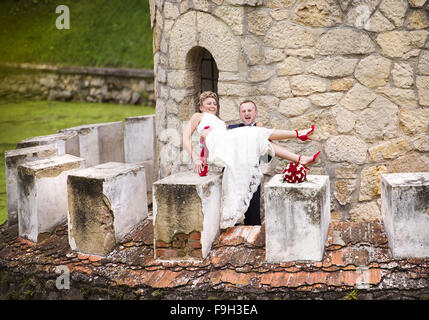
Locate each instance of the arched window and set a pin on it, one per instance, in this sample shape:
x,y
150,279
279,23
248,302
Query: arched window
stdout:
x,y
209,72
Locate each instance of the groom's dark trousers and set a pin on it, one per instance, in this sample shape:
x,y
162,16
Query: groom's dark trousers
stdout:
x,y
252,217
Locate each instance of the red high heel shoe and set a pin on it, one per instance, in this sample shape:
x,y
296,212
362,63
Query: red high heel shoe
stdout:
x,y
314,159
305,136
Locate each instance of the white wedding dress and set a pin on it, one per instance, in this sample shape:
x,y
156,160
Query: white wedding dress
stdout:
x,y
239,151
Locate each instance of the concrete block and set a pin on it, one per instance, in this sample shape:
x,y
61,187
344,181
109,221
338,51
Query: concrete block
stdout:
x,y
66,142
14,158
186,215
139,138
140,146
405,212
42,200
297,217
100,143
106,203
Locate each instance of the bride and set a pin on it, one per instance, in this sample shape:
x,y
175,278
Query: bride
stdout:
x,y
238,151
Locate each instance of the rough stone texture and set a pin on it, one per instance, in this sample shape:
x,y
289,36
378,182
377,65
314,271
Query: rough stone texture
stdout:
x,y
297,218
186,207
358,70
14,158
100,142
42,194
106,202
356,261
139,144
65,142
405,203
89,84
346,148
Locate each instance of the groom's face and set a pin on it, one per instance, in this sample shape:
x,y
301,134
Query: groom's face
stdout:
x,y
248,113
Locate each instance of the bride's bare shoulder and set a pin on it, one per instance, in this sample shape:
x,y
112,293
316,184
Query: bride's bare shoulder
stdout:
x,y
196,117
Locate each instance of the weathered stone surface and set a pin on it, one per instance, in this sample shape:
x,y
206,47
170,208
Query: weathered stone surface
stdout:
x,y
359,97
324,119
140,146
14,158
416,3
379,121
186,203
286,35
303,85
389,149
318,13
402,44
378,23
260,73
359,12
100,142
403,75
423,66
370,186
405,202
417,20
297,217
346,171
233,16
279,87
342,84
365,212
294,106
333,67
345,119
65,142
42,189
405,98
414,121
343,191
421,142
394,10
106,203
344,41
259,21
346,148
373,71
422,83
289,67
410,162
325,99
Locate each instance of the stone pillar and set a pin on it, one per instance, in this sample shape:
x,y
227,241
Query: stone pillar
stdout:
x,y
186,215
66,142
297,218
106,202
13,158
100,143
405,212
42,201
140,147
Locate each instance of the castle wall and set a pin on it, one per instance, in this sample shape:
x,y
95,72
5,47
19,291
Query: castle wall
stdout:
x,y
358,70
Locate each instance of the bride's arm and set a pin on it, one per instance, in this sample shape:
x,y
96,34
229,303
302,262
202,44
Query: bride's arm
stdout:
x,y
187,139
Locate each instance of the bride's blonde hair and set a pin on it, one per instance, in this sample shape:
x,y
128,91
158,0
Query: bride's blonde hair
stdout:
x,y
208,94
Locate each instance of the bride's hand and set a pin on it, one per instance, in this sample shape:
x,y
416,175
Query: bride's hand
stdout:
x,y
205,132
198,165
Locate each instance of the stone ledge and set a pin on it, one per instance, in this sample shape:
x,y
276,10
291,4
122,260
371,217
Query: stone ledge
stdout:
x,y
117,72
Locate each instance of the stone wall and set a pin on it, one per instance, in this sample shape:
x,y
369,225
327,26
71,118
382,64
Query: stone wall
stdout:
x,y
89,84
358,70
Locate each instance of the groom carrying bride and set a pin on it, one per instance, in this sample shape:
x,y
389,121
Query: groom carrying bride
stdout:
x,y
248,113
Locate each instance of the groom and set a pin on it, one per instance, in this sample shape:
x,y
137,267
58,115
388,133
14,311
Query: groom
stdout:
x,y
248,114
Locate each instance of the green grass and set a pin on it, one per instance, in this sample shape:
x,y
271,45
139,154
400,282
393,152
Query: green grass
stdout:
x,y
103,33
25,119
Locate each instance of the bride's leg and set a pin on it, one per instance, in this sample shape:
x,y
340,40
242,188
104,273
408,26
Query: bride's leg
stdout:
x,y
284,153
279,134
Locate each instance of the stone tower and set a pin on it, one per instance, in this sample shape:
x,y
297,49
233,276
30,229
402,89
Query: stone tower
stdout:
x,y
358,70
